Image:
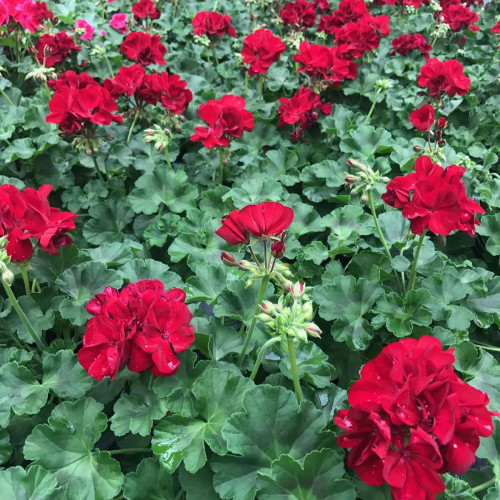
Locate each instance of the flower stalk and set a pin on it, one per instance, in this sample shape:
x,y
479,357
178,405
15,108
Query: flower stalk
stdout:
x,y
260,356
295,373
413,272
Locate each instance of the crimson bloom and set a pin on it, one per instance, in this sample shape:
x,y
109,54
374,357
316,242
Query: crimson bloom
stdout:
x,y
226,118
434,198
406,43
412,419
141,326
28,13
213,25
145,9
348,11
261,49
300,14
496,28
459,17
423,117
443,76
54,49
144,48
119,22
88,29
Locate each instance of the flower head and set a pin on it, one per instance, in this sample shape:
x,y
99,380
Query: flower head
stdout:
x,y
261,49
441,77
213,25
144,48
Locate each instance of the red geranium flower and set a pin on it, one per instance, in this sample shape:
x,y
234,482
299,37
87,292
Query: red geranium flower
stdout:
x,y
347,11
145,9
28,13
119,22
144,48
302,110
496,28
459,17
213,24
261,49
300,14
263,220
321,5
406,43
53,49
174,94
423,117
443,76
227,118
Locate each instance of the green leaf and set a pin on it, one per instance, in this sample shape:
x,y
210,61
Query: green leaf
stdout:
x,y
149,269
198,486
366,141
400,314
347,301
34,484
490,227
64,375
46,267
5,447
19,392
208,283
115,253
177,389
81,282
317,479
312,365
65,446
163,187
136,411
282,164
272,424
394,227
149,482
255,190
223,339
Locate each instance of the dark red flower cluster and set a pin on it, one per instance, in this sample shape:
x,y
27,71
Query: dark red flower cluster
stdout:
x,y
406,3
263,220
406,43
321,5
324,64
79,101
348,11
459,17
145,9
434,198
443,76
28,214
496,28
226,118
144,48
360,37
133,80
300,14
54,49
423,119
141,326
213,25
411,419
28,13
302,110
261,49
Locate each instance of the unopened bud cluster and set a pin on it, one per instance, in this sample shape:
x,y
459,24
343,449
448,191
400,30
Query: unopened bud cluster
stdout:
x,y
161,137
5,273
292,320
364,180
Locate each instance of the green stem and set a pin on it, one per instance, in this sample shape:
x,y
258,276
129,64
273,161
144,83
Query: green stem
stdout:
x,y
124,451
295,373
380,234
97,169
26,280
167,156
47,90
35,287
6,97
246,84
131,129
487,347
374,103
262,351
260,298
22,316
261,93
109,66
483,486
221,166
216,58
413,272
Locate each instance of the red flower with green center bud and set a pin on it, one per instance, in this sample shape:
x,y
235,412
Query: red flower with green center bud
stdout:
x,y
423,117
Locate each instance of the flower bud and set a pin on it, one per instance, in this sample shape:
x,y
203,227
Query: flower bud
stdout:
x,y
7,275
440,123
313,330
441,143
417,149
297,290
229,260
3,242
278,248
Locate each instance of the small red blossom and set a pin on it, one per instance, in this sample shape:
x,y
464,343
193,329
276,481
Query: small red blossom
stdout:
x,y
28,214
263,220
302,110
54,49
261,49
443,76
145,9
412,419
144,48
213,25
496,28
141,326
406,43
119,22
434,198
299,14
88,29
423,117
28,13
226,118
459,17
348,11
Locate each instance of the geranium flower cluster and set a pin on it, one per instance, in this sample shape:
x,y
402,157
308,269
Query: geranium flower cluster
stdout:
x,y
411,419
226,118
406,43
169,90
299,14
348,11
28,215
28,13
79,103
260,50
85,30
441,77
145,9
144,48
434,198
458,16
423,119
54,49
141,326
213,25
